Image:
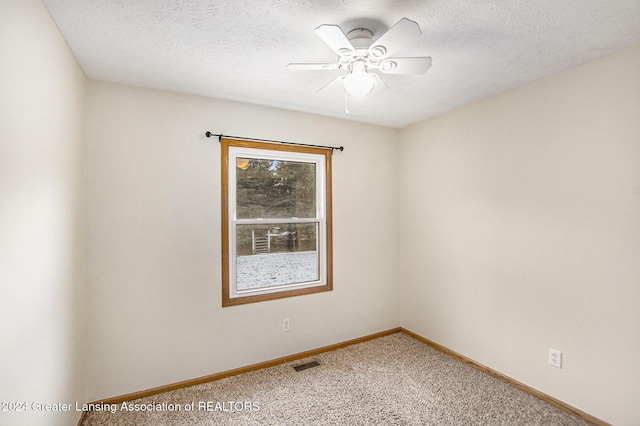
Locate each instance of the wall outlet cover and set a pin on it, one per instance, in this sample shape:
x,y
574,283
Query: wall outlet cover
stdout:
x,y
555,358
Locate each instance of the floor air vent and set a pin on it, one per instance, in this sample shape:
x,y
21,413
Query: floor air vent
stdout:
x,y
304,366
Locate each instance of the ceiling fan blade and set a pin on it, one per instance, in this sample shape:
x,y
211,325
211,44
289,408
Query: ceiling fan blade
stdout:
x,y
405,65
335,38
400,34
312,67
334,82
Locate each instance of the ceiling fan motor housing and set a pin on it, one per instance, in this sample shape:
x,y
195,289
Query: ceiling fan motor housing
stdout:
x,y
360,39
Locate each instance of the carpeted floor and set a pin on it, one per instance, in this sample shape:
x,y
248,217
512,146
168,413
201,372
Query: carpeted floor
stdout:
x,y
392,380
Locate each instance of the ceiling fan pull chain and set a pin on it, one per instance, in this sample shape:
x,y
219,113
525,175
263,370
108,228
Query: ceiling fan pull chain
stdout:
x,y
346,106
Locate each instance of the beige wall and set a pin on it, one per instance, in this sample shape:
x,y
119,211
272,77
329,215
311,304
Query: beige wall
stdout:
x,y
154,244
41,250
520,228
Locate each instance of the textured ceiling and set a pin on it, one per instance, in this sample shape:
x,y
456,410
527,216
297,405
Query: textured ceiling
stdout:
x,y
239,49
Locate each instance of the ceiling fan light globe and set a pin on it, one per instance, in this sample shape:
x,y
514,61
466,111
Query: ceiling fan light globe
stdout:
x,y
358,84
242,163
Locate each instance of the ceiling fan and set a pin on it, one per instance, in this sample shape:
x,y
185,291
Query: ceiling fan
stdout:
x,y
359,55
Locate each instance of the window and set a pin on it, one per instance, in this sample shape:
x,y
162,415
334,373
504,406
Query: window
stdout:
x,y
276,221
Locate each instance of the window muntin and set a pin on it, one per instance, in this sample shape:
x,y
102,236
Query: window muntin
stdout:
x,y
276,221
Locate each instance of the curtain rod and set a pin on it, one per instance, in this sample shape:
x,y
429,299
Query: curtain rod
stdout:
x,y
220,136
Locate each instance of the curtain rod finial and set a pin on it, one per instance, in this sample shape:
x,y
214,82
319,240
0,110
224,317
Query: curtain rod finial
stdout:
x,y
209,134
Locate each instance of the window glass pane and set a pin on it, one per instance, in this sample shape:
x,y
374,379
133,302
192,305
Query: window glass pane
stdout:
x,y
276,255
275,189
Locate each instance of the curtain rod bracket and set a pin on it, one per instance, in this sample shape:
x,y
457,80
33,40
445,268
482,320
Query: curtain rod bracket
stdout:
x,y
219,135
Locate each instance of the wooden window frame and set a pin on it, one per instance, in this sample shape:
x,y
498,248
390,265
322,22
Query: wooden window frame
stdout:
x,y
327,284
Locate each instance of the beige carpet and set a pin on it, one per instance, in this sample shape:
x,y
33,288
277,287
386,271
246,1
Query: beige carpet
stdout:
x,y
392,380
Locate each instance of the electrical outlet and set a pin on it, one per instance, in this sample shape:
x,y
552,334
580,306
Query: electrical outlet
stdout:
x,y
286,326
555,358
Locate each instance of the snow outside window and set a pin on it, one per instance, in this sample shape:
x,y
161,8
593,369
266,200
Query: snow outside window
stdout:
x,y
276,214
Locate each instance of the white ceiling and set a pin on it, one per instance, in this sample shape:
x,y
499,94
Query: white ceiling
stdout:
x,y
239,49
